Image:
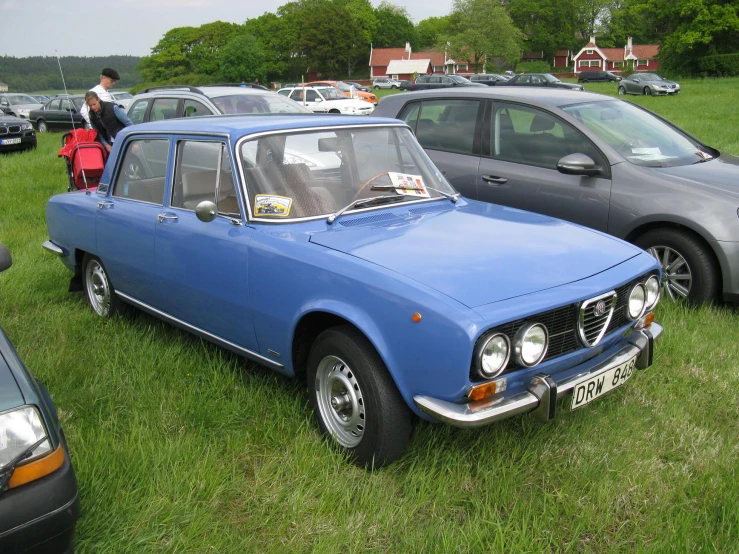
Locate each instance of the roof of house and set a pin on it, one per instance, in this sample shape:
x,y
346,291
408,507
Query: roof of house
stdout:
x,y
562,53
408,66
383,56
641,51
613,54
646,51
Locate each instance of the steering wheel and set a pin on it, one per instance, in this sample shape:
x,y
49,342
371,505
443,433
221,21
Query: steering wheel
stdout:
x,y
367,183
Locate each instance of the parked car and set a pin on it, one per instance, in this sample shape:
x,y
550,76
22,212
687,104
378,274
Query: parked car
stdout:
x,y
325,99
385,83
489,79
424,82
594,160
358,86
595,76
346,89
16,134
168,102
539,80
39,500
649,84
41,98
59,114
123,99
330,246
18,104
405,85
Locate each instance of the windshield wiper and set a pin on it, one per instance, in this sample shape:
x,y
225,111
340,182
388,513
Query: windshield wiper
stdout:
x,y
452,197
6,472
361,201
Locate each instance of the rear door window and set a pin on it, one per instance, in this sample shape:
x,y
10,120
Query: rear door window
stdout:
x,y
141,175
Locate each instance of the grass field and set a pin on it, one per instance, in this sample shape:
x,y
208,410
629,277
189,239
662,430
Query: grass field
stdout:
x,y
180,446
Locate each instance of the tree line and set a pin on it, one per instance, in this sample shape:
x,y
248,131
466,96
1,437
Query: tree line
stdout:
x,y
40,73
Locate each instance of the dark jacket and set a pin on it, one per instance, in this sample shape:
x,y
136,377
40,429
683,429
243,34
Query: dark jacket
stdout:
x,y
106,123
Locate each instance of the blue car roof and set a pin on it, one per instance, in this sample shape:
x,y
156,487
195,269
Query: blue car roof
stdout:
x,y
240,125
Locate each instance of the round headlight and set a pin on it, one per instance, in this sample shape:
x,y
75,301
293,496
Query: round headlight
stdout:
x,y
494,355
637,301
531,344
652,288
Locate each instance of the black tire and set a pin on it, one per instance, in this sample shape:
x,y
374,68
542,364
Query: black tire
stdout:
x,y
42,126
394,87
334,111
647,91
100,293
373,425
375,87
700,284
621,91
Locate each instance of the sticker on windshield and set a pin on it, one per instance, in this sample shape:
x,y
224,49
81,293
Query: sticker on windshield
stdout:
x,y
410,185
269,205
652,157
646,151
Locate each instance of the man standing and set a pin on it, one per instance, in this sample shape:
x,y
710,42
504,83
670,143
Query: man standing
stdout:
x,y
108,79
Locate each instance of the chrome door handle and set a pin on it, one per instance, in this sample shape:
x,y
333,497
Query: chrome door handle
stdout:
x,y
105,205
168,217
494,180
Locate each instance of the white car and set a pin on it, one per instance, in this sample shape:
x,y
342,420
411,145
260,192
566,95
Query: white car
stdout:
x,y
385,82
123,99
325,99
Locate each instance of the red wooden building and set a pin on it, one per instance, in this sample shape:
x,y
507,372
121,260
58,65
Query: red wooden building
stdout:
x,y
639,57
402,63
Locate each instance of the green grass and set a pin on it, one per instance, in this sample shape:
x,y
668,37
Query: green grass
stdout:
x,y
180,446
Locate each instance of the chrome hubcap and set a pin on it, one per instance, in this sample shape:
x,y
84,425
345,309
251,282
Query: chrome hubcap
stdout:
x,y
676,276
340,401
98,288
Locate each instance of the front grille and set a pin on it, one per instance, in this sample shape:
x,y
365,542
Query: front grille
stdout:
x,y
594,316
12,129
3,130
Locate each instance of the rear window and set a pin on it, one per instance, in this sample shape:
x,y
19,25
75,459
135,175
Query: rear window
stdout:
x,y
257,103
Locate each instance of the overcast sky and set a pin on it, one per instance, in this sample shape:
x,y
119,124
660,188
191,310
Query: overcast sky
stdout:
x,y
132,27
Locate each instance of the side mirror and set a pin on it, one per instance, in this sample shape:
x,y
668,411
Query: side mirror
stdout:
x,y
578,164
206,211
318,100
5,260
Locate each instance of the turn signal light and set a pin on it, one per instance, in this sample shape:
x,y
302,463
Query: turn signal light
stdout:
x,y
485,390
645,321
37,469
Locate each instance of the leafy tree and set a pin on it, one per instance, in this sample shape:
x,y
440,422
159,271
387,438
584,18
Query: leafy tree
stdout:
x,y
395,27
431,31
548,25
331,39
242,59
482,29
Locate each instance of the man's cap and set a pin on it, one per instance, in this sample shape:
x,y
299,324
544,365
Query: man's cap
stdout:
x,y
111,73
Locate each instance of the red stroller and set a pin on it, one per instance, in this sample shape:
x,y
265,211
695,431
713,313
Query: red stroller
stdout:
x,y
85,158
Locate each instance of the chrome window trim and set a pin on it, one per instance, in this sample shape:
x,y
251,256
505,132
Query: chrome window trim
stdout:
x,y
581,317
249,216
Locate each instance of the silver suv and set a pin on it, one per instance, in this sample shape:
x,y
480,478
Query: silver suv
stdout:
x,y
385,82
168,102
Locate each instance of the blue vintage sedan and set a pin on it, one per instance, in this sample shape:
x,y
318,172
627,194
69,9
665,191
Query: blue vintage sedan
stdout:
x,y
331,247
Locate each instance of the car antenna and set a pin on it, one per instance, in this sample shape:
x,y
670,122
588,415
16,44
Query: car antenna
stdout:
x,y
71,115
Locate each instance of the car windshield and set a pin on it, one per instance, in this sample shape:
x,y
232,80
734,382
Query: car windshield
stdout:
x,y
257,103
316,173
551,78
18,99
330,93
639,136
459,79
651,77
343,86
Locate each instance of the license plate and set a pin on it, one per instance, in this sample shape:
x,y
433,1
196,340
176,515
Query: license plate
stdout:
x,y
596,386
10,141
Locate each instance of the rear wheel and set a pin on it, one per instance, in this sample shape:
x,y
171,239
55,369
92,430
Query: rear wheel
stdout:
x,y
355,400
98,288
689,269
394,86
41,126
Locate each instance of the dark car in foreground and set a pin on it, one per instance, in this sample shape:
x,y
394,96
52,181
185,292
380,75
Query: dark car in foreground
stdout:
x,y
595,76
648,84
425,82
16,134
543,80
594,160
331,247
39,501
59,114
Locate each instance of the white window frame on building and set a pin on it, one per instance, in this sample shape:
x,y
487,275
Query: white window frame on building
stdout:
x,y
588,63
617,64
436,68
642,62
588,51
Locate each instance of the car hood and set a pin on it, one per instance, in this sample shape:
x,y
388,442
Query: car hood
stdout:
x,y
27,106
474,252
720,174
10,119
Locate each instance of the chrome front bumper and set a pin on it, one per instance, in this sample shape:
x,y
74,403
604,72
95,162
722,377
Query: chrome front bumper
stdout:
x,y
543,391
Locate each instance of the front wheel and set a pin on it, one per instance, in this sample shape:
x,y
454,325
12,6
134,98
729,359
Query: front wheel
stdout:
x,y
98,288
689,269
355,400
621,91
647,91
41,126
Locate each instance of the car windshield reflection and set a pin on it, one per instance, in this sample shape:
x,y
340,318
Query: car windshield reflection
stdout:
x,y
638,136
310,174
